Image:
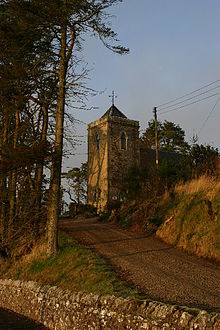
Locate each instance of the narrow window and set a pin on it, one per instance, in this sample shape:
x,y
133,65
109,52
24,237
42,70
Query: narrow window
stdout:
x,y
97,142
123,141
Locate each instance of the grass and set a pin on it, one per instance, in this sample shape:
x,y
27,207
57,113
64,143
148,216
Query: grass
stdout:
x,y
187,217
195,220
74,267
204,183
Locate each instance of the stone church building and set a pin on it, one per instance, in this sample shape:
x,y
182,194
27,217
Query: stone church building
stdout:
x,y
113,148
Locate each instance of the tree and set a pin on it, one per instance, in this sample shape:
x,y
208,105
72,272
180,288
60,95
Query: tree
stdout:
x,y
171,137
37,63
24,55
203,159
148,137
73,18
77,183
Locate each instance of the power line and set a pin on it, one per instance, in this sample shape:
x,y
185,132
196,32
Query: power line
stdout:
x,y
186,105
209,115
80,121
197,90
190,98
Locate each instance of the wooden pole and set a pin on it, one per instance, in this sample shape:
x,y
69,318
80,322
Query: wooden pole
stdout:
x,y
156,138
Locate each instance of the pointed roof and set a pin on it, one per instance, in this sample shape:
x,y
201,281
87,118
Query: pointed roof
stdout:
x,y
113,112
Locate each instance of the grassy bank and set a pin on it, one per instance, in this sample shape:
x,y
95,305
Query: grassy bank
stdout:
x,y
194,223
187,217
74,267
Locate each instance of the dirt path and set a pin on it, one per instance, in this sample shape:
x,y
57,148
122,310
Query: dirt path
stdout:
x,y
164,273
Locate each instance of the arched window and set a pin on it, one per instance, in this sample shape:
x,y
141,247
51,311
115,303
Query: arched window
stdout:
x,y
97,142
123,141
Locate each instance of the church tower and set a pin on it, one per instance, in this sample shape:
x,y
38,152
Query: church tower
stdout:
x,y
113,148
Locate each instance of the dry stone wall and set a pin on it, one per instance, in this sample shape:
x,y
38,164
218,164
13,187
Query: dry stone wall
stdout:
x,y
62,310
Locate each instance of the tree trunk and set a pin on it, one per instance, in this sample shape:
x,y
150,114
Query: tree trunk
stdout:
x,y
12,185
3,186
55,180
39,173
3,200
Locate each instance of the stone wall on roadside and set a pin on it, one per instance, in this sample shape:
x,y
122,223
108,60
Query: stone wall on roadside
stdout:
x,y
62,309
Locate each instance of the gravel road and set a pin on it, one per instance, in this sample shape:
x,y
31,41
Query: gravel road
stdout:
x,y
160,271
12,321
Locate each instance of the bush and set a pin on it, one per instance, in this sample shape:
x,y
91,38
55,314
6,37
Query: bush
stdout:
x,y
155,220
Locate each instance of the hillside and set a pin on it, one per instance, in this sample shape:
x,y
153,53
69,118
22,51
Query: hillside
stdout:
x,y
194,223
188,217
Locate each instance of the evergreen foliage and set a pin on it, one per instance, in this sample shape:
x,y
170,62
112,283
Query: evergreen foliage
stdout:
x,y
40,49
178,162
171,137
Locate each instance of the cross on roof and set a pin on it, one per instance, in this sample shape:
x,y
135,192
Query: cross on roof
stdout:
x,y
113,96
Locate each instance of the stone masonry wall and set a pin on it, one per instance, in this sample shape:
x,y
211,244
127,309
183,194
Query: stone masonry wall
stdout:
x,y
108,163
121,161
62,310
98,164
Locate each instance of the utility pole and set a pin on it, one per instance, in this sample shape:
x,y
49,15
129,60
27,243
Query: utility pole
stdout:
x,y
156,139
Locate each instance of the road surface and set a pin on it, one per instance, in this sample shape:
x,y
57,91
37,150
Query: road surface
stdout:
x,y
162,272
12,321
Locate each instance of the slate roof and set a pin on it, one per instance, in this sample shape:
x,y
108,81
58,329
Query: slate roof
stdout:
x,y
113,112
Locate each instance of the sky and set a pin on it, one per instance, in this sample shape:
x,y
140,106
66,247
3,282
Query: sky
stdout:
x,y
174,49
